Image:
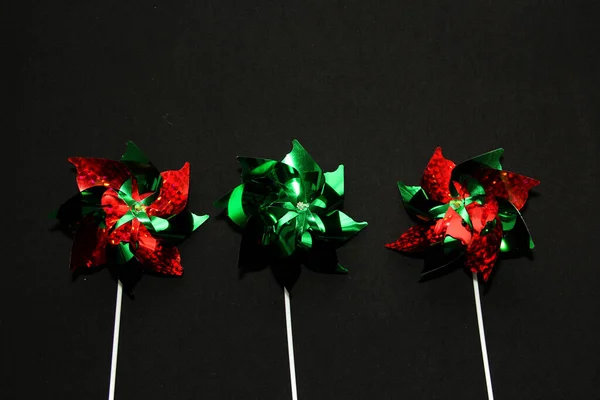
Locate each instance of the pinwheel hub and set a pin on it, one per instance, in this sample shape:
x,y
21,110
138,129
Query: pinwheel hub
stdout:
x,y
456,203
302,206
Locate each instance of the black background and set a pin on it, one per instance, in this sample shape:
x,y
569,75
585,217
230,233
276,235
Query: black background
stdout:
x,y
374,85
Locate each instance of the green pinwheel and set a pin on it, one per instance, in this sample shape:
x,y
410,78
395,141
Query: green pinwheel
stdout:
x,y
290,207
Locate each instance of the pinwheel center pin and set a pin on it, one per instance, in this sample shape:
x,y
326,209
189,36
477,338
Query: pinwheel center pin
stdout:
x,y
456,203
137,207
302,206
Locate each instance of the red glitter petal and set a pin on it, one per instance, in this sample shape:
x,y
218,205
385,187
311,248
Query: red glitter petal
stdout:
x,y
436,177
89,245
480,215
452,225
173,194
152,254
99,172
114,207
482,253
416,238
504,184
124,233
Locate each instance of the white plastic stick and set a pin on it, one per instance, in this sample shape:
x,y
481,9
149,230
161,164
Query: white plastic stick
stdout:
x,y
486,363
288,325
115,348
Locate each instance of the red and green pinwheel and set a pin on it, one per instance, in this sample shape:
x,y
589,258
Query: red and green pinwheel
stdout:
x,y
469,210
126,210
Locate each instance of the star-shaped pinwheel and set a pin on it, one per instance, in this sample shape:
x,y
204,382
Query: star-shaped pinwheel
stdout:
x,y
126,210
471,210
290,207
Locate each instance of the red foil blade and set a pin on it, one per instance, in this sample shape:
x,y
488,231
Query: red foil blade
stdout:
x,y
436,177
156,256
506,185
416,238
89,245
173,194
482,253
99,172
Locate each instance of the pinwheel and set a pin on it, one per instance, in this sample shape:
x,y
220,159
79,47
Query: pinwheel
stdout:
x,y
468,211
290,206
290,214
125,213
472,209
